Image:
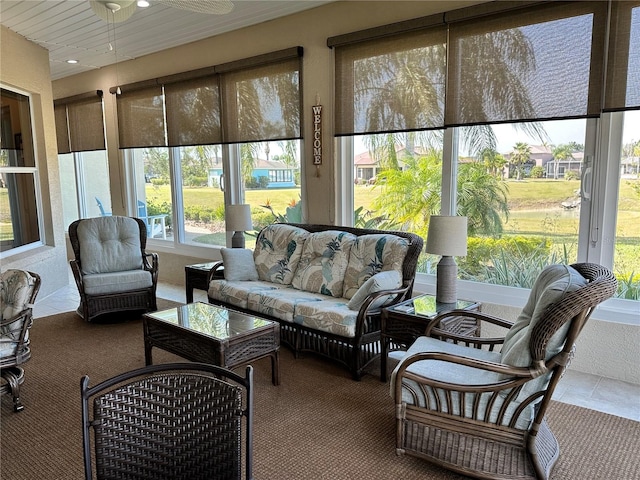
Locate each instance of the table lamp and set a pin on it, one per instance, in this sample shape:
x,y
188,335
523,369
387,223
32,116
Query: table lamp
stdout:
x,y
447,236
238,220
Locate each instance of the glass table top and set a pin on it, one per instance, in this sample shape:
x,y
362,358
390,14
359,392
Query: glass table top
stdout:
x,y
426,305
210,320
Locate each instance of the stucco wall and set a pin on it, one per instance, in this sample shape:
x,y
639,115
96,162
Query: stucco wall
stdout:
x,y
25,66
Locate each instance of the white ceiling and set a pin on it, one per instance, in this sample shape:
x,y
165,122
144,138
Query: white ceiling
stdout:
x,y
70,30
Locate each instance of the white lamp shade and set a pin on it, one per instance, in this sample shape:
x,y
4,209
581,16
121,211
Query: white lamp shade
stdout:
x,y
238,218
447,236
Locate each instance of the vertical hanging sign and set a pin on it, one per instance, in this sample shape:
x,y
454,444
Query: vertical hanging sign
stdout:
x,y
317,136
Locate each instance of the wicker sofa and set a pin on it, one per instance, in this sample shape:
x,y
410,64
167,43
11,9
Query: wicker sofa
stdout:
x,y
324,284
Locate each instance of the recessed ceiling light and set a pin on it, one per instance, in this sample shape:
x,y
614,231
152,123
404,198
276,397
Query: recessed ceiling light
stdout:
x,y
72,61
143,3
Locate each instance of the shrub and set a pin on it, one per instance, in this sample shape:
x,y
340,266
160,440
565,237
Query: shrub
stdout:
x,y
536,172
571,175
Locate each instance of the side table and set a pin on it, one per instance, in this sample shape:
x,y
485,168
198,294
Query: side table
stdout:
x,y
196,277
404,322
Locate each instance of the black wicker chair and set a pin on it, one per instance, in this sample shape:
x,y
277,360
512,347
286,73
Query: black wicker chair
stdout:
x,y
112,270
177,421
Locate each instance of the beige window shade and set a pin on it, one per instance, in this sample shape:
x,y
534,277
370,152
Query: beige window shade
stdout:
x,y
193,112
62,128
141,118
79,123
544,62
262,103
396,83
623,68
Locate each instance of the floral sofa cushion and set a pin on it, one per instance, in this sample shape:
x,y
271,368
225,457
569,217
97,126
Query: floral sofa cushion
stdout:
x,y
371,254
277,253
324,262
237,292
328,315
279,303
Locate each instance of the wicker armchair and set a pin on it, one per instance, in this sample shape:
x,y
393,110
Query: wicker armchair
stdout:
x,y
480,412
180,421
112,271
18,290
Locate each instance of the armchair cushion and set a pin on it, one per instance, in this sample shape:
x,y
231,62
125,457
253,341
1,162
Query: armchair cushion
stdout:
x,y
371,254
454,373
109,244
552,283
323,262
380,281
238,264
117,282
16,288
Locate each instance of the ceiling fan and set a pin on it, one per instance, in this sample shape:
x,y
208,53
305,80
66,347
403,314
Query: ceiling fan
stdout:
x,y
115,11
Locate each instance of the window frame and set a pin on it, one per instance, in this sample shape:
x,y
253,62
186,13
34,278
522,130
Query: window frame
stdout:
x,y
35,174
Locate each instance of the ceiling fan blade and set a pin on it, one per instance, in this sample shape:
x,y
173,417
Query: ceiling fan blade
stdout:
x,y
113,11
214,7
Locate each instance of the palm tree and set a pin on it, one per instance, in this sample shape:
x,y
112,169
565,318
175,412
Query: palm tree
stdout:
x,y
493,161
560,153
411,196
521,154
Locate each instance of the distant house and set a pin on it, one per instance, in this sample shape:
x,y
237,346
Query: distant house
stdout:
x,y
278,174
366,169
629,167
542,156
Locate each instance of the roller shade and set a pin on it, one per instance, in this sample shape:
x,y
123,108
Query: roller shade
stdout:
x,y
80,123
141,118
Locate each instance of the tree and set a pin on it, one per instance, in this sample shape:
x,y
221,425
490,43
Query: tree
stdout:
x,y
521,154
411,196
561,153
493,161
156,162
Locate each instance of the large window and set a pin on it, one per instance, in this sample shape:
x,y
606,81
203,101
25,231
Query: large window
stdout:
x,y
520,141
189,160
82,157
19,225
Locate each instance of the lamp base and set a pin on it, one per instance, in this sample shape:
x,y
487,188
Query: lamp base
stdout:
x,y
237,240
446,280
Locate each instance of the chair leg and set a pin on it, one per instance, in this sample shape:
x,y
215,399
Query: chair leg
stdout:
x,y
14,377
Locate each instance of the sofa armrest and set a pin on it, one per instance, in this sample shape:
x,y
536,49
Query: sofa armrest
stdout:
x,y
368,308
216,272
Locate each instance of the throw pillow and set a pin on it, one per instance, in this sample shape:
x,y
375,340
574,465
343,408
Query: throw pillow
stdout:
x,y
238,264
388,280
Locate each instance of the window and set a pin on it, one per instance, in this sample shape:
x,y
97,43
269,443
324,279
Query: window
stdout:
x,y
19,225
187,167
82,157
528,156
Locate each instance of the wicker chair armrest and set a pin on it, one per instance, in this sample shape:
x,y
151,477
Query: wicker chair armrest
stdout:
x,y
150,261
433,330
17,317
77,274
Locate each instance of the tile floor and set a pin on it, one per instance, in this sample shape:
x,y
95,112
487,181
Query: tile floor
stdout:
x,y
577,388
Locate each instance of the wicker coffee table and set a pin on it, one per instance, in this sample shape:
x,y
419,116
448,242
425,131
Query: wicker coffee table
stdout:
x,y
201,332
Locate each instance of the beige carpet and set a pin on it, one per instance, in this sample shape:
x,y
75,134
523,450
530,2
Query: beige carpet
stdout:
x,y
318,424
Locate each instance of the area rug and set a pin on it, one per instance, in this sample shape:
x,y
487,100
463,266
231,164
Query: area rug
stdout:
x,y
317,424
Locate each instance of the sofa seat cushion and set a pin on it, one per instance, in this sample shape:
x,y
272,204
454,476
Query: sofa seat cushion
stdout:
x,y
237,292
277,252
327,315
412,394
109,244
8,347
371,254
324,262
280,303
117,282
